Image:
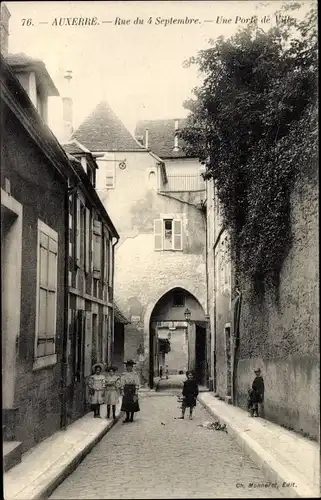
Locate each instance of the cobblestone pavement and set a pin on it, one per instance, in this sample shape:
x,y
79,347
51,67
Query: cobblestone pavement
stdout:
x,y
159,456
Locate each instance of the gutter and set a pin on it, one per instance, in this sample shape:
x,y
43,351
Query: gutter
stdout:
x,y
115,240
208,341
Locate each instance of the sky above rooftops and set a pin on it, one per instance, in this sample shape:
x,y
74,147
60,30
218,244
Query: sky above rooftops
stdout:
x,y
137,68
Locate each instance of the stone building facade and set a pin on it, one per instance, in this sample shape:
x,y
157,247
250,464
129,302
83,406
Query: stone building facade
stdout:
x,y
158,213
34,184
55,237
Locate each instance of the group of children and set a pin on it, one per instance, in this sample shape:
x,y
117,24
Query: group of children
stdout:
x,y
255,395
106,389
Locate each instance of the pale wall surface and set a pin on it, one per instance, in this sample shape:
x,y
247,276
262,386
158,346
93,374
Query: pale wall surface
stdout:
x,y
284,340
144,275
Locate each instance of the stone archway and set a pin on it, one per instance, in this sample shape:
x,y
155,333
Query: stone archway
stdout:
x,y
167,321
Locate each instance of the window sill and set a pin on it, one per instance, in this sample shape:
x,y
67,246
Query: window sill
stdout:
x,y
168,250
44,362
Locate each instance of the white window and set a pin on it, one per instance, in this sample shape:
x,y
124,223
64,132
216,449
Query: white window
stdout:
x,y
168,234
107,171
46,291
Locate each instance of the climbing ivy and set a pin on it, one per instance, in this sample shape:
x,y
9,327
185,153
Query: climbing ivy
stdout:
x,y
253,122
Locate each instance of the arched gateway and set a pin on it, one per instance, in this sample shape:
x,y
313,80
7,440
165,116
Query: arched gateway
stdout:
x,y
174,340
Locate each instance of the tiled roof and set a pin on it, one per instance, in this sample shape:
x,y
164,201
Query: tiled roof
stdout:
x,y
102,130
74,147
161,135
119,317
21,61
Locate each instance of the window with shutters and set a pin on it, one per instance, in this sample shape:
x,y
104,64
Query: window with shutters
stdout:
x,y
107,169
46,291
82,235
168,234
87,239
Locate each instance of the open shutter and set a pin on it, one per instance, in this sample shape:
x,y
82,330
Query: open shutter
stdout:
x,y
106,257
177,234
97,247
87,241
158,234
88,343
78,232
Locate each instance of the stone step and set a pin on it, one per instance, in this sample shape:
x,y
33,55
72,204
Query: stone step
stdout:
x,y
12,451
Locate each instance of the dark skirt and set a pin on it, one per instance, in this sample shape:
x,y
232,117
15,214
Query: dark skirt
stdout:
x,y
189,401
130,399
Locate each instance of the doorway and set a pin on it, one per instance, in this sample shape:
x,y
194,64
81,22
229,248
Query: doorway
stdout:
x,y
200,355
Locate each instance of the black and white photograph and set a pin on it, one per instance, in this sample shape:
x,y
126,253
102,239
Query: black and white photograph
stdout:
x,y
160,249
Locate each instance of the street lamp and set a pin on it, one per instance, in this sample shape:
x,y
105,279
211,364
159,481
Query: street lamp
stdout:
x,y
187,315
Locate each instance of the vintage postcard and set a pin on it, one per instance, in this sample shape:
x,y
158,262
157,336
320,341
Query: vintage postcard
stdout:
x,y
159,243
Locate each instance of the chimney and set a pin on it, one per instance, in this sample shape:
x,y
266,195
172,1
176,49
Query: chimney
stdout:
x,y
4,27
176,137
67,107
146,138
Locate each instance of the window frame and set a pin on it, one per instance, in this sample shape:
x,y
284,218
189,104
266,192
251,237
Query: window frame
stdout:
x,y
162,221
47,359
177,293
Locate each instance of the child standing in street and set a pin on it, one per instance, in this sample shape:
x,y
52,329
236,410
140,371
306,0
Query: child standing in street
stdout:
x,y
97,383
166,372
112,390
189,393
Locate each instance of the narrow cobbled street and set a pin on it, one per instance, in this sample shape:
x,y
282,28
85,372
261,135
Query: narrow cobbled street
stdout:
x,y
160,456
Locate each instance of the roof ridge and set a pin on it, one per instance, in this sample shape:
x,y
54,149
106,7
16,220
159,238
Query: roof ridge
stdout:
x,y
103,130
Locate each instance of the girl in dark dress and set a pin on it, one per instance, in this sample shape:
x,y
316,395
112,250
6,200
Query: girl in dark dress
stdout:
x,y
130,387
190,393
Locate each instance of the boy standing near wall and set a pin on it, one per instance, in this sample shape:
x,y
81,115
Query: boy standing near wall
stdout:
x,y
258,393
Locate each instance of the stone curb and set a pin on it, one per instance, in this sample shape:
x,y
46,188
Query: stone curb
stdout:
x,y
274,471
44,492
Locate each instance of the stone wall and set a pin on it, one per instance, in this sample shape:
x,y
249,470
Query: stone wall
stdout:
x,y
37,402
283,338
143,275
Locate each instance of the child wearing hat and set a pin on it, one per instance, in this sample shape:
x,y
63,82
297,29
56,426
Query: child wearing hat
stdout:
x,y
97,384
258,393
130,386
112,390
189,393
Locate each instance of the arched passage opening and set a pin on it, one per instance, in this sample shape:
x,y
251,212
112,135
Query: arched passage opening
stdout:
x,y
174,341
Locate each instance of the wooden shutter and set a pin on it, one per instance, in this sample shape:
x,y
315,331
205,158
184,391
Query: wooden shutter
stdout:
x,y
78,232
97,247
158,234
87,241
106,257
177,234
88,343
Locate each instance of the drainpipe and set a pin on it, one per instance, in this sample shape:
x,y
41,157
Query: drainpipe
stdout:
x,y
115,240
208,341
237,316
64,361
